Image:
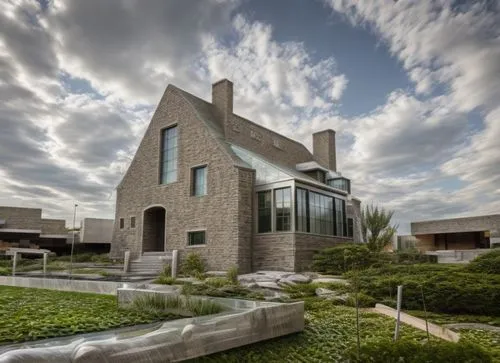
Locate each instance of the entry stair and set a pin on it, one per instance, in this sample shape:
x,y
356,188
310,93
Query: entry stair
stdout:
x,y
150,263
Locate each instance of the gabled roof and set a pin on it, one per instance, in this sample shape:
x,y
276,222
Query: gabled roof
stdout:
x,y
266,171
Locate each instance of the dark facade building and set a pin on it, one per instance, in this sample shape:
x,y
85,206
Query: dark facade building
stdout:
x,y
207,180
467,233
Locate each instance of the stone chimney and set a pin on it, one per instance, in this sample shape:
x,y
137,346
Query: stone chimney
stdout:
x,y
324,149
222,99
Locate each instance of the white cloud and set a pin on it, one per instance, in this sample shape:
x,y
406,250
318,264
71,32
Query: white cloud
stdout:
x,y
438,42
339,85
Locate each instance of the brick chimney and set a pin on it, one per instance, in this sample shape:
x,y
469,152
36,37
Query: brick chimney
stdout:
x,y
324,149
222,99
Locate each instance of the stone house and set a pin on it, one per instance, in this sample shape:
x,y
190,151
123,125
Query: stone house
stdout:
x,y
207,180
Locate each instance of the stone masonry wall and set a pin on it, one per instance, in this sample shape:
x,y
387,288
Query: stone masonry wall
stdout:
x,y
216,212
306,245
21,218
324,149
245,219
273,251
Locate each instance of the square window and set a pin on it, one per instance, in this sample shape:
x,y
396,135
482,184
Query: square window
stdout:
x,y
196,238
122,223
132,222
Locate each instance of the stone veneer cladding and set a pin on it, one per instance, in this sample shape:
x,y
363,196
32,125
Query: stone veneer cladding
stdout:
x,y
219,212
226,212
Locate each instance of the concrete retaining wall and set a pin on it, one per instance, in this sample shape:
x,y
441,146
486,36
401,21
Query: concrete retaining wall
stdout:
x,y
96,287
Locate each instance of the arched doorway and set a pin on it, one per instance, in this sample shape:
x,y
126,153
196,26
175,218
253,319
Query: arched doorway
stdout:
x,y
153,229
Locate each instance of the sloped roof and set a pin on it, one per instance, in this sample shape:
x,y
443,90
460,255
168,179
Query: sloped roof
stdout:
x,y
267,171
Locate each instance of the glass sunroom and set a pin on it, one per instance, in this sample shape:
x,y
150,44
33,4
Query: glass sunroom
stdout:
x,y
287,200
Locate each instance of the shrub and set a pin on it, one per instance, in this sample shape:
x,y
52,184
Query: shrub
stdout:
x,y
217,281
193,265
102,258
489,263
165,280
159,304
409,256
4,271
232,275
235,291
339,259
446,289
405,351
364,300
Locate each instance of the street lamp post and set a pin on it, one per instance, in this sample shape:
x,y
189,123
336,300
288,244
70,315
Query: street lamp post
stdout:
x,y
72,243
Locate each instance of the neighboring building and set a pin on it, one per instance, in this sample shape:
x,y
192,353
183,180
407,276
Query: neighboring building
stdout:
x,y
95,235
204,179
457,234
25,227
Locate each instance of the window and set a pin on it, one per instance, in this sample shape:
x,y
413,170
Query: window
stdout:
x,y
196,238
350,227
264,211
199,181
132,222
168,166
341,183
321,213
302,210
340,217
282,202
122,223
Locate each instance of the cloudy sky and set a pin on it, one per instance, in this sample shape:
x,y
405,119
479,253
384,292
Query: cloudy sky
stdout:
x,y
411,87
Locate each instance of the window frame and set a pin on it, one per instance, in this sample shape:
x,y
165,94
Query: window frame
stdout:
x,y
191,233
163,154
270,215
307,215
275,207
345,180
194,169
133,225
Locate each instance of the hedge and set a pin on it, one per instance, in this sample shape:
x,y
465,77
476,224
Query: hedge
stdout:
x,y
447,290
488,263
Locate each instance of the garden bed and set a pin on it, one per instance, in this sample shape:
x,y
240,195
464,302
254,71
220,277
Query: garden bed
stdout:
x,y
30,314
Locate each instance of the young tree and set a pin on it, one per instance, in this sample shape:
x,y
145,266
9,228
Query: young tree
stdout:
x,y
376,227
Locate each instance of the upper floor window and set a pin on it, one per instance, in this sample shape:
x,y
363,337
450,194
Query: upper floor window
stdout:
x,y
199,181
168,162
122,223
264,212
132,222
282,202
341,183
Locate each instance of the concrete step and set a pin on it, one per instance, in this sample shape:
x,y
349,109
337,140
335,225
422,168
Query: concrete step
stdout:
x,y
156,253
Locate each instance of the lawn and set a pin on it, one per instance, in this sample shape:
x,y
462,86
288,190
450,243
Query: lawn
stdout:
x,y
29,314
330,331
